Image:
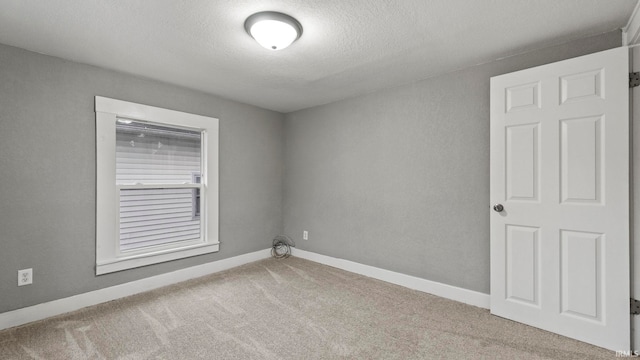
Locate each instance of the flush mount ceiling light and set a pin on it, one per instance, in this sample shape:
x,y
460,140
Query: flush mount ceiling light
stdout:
x,y
273,30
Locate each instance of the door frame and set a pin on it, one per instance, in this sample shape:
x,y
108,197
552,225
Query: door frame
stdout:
x,y
631,38
634,171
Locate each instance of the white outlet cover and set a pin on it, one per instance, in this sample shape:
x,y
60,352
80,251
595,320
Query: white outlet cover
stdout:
x,y
25,277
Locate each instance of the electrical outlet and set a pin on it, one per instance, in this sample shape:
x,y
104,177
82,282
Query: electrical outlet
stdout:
x,y
305,235
25,277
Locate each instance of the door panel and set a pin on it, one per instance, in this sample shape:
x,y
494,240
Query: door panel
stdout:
x,y
581,268
583,86
522,162
523,250
581,160
560,168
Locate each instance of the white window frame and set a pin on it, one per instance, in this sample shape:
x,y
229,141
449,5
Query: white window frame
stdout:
x,y
197,195
108,256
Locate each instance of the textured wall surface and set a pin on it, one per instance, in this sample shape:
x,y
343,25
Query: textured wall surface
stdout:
x,y
47,173
399,179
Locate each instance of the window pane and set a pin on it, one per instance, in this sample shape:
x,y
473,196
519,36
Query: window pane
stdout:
x,y
156,154
151,217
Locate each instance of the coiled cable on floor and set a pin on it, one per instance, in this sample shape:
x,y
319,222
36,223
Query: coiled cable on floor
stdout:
x,y
281,247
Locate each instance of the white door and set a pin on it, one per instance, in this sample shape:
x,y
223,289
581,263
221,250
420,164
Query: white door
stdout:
x,y
560,170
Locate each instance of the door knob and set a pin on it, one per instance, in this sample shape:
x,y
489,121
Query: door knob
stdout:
x,y
498,207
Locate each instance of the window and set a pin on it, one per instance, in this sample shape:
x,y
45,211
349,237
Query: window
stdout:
x,y
157,185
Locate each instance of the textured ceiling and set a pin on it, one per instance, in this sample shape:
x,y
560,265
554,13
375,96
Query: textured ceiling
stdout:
x,y
349,47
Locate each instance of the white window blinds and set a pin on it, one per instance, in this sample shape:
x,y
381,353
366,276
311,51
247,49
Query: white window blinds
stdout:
x,y
158,172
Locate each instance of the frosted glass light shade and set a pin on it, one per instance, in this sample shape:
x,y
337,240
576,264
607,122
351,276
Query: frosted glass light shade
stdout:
x,y
273,35
273,30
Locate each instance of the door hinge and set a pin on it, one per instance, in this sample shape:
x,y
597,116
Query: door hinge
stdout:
x,y
634,79
635,306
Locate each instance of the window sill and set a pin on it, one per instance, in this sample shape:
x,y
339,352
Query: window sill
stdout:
x,y
129,262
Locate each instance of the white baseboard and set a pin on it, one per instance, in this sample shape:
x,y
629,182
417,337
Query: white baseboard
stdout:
x,y
42,311
443,290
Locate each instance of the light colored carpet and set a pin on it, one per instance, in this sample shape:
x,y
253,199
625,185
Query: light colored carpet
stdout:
x,y
286,309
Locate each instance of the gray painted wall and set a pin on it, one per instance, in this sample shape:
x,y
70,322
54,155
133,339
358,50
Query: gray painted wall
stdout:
x,y
47,173
399,179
